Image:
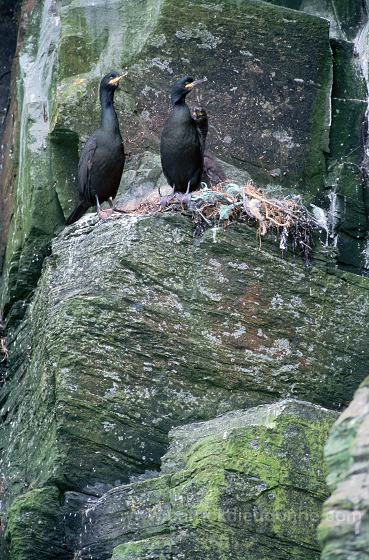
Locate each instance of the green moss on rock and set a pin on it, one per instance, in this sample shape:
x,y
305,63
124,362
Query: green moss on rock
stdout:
x,y
343,531
221,319
33,526
161,549
237,493
345,16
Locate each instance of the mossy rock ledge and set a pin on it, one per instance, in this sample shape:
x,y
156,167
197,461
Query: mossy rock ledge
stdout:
x,y
238,486
343,531
137,327
132,344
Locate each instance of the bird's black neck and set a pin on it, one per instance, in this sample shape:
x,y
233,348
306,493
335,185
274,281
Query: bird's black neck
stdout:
x,y
181,110
178,99
109,120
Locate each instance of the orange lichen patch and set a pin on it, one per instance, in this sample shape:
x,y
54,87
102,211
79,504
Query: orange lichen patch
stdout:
x,y
248,340
251,298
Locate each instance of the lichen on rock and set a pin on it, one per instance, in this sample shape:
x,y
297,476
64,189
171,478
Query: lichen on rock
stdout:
x,y
343,530
119,332
151,330
241,484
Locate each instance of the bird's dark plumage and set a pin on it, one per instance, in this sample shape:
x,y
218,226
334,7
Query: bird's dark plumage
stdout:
x,y
180,146
213,173
200,117
102,159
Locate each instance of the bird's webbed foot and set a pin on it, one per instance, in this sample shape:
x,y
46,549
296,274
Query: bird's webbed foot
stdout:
x,y
115,208
184,198
103,214
164,200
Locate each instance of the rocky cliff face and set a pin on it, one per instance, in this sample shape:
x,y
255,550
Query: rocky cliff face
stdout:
x,y
136,328
244,483
8,33
343,529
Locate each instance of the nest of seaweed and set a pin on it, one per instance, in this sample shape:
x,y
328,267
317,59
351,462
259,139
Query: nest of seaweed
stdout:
x,y
228,203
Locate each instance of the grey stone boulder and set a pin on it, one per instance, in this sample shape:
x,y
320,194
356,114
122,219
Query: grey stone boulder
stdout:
x,y
343,531
137,327
237,486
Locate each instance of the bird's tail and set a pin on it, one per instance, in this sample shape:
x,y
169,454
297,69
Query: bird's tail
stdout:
x,y
77,213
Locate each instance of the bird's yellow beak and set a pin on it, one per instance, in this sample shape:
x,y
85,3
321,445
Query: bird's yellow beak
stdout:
x,y
195,83
116,80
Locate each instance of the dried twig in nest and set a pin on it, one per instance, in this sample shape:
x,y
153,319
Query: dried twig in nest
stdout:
x,y
145,208
227,203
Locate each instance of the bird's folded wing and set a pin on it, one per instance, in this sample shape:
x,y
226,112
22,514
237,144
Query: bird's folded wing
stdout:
x,y
85,166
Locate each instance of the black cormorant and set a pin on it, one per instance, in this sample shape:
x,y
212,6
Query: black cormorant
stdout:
x,y
102,159
181,145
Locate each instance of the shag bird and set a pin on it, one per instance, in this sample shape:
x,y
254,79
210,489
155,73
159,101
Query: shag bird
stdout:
x,y
213,173
181,151
102,159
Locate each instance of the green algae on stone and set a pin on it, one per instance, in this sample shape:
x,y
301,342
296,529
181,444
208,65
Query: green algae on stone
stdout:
x,y
33,526
64,165
345,174
161,548
351,212
272,135
37,214
157,288
45,189
136,327
343,531
345,16
216,506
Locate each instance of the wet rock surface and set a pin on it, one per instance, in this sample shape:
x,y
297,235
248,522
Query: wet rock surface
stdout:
x,y
346,181
8,40
136,327
244,483
343,531
152,329
8,30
